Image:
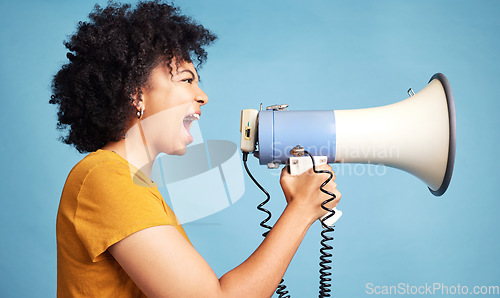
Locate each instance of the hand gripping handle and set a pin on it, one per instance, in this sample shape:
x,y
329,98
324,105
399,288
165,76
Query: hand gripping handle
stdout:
x,y
299,165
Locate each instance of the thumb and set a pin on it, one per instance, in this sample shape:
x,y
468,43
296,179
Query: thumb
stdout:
x,y
285,172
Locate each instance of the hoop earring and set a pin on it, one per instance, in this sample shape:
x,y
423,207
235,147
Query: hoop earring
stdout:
x,y
140,112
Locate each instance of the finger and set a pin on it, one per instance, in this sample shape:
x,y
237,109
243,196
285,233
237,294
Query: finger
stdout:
x,y
335,201
331,186
338,195
322,170
324,167
285,172
327,167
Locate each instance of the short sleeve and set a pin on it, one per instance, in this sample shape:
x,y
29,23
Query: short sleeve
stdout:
x,y
112,205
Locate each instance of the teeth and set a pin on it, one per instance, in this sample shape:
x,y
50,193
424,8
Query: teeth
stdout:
x,y
192,117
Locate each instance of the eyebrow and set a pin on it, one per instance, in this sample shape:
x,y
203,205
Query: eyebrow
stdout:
x,y
187,70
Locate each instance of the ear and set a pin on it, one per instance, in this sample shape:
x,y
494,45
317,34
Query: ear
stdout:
x,y
137,98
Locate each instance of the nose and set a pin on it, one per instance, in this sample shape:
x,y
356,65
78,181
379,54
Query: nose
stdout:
x,y
201,97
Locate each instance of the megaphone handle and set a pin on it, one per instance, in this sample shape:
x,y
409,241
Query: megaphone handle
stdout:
x,y
300,164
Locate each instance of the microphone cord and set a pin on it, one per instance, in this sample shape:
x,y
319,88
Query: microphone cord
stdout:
x,y
281,289
325,258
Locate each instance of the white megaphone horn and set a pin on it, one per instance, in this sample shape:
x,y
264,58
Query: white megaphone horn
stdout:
x,y
416,135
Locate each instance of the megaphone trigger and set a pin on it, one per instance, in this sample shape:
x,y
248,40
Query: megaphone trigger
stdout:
x,y
301,164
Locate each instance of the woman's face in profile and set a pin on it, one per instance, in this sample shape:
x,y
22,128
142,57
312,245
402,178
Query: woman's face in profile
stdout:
x,y
172,101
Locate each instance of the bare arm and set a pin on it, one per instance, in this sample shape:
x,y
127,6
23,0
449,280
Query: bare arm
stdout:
x,y
261,273
163,264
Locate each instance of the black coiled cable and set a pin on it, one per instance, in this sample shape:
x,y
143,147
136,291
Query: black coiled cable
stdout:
x,y
281,289
325,276
260,207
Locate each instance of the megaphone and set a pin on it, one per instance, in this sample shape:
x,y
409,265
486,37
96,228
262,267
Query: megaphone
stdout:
x,y
416,135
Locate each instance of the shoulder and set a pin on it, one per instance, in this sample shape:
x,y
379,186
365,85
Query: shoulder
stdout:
x,y
104,175
109,199
103,167
98,162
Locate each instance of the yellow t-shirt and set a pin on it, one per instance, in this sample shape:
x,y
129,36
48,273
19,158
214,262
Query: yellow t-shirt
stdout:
x,y
104,200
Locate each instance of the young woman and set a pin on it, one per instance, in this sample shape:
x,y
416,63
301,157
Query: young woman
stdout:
x,y
129,92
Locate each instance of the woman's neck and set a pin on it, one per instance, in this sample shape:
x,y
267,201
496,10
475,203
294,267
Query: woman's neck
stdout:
x,y
134,149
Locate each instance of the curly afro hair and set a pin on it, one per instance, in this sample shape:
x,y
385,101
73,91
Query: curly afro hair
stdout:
x,y
110,58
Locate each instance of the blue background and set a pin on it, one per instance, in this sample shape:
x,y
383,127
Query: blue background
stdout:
x,y
311,55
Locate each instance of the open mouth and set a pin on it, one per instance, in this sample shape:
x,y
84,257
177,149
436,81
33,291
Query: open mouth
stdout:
x,y
188,120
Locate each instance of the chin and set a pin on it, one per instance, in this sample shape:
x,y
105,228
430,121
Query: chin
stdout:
x,y
180,151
